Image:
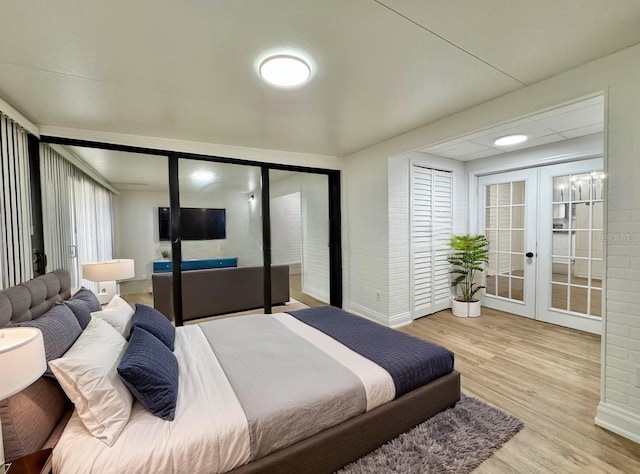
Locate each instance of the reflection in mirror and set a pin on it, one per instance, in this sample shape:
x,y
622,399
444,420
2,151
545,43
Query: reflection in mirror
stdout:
x,y
299,205
142,182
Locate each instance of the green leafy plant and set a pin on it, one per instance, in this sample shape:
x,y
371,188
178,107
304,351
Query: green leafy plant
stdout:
x,y
470,253
165,254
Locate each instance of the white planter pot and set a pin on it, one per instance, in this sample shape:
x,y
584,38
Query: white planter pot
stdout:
x,y
464,309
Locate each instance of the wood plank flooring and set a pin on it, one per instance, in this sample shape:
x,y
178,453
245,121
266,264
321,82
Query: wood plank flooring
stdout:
x,y
547,376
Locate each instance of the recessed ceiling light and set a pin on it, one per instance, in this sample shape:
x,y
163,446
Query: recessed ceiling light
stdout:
x,y
510,140
285,70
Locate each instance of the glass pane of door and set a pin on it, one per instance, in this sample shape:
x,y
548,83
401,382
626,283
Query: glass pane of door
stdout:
x,y
571,236
299,207
505,232
576,254
221,235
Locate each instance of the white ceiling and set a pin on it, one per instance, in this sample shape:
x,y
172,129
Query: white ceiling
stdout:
x,y
570,121
187,69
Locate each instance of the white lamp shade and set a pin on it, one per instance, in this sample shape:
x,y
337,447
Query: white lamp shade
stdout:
x,y
110,270
22,359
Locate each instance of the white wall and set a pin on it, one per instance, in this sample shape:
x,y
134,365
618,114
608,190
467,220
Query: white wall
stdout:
x,y
136,228
286,230
616,75
314,207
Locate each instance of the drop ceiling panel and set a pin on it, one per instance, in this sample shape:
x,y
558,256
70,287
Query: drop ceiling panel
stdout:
x,y
573,119
569,121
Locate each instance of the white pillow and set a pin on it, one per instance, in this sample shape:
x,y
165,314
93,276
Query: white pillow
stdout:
x,y
118,314
87,374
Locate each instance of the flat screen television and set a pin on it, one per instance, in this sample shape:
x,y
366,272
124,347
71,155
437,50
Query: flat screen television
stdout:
x,y
197,223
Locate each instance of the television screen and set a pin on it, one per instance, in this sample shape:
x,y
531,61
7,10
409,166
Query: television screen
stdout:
x,y
197,223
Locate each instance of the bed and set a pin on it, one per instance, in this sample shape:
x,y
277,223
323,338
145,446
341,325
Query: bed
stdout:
x,y
308,391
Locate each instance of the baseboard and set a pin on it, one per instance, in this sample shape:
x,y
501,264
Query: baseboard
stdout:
x,y
394,321
619,420
317,294
367,313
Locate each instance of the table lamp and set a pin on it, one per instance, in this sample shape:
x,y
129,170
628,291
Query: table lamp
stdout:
x,y
106,274
22,362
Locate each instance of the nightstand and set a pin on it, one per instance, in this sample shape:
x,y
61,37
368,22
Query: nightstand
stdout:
x,y
35,463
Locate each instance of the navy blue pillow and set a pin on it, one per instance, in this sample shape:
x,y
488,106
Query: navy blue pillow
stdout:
x,y
81,311
155,322
88,297
150,371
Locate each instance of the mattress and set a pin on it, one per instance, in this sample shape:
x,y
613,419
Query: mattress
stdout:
x,y
252,385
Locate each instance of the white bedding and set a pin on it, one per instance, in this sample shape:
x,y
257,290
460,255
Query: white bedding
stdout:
x,y
210,432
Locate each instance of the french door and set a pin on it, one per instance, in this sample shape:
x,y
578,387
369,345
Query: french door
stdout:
x,y
545,232
508,208
572,241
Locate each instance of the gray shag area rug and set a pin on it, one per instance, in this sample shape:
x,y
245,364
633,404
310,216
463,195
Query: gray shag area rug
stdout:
x,y
456,440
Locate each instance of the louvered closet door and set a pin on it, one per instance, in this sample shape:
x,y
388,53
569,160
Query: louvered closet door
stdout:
x,y
431,228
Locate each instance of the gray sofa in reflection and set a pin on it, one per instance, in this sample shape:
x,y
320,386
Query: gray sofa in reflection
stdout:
x,y
219,290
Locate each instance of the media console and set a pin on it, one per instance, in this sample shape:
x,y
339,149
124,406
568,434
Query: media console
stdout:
x,y
165,266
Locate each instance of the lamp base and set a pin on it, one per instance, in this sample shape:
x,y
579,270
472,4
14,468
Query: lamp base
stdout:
x,y
106,291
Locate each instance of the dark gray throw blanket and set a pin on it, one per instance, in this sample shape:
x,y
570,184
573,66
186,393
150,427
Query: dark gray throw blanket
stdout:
x,y
288,388
410,361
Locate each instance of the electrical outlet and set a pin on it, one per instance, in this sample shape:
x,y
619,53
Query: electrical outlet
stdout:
x,y
378,296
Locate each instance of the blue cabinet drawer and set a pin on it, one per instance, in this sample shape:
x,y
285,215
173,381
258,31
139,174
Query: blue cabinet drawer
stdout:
x,y
163,266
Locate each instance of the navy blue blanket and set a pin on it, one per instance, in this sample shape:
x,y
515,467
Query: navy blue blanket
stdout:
x,y
411,362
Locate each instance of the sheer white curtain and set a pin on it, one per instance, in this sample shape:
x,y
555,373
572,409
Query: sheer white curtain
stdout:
x,y
77,217
15,205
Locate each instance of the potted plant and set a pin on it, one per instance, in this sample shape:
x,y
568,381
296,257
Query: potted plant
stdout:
x,y
166,254
470,253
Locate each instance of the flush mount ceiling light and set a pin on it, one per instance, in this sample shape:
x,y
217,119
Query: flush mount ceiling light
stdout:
x,y
284,70
510,140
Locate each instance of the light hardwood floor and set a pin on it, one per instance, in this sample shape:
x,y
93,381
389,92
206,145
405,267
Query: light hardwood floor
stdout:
x,y
547,376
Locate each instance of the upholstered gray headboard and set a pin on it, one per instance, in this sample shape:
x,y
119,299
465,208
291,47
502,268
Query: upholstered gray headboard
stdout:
x,y
34,418
32,299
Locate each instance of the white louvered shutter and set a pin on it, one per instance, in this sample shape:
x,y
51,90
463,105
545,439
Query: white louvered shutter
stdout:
x,y
431,228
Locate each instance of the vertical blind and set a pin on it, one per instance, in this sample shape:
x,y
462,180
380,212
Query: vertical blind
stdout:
x,y
77,216
15,205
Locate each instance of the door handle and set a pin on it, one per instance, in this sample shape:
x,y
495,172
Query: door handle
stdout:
x,y
529,254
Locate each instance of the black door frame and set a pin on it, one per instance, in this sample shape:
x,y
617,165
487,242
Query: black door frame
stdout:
x,y
173,157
